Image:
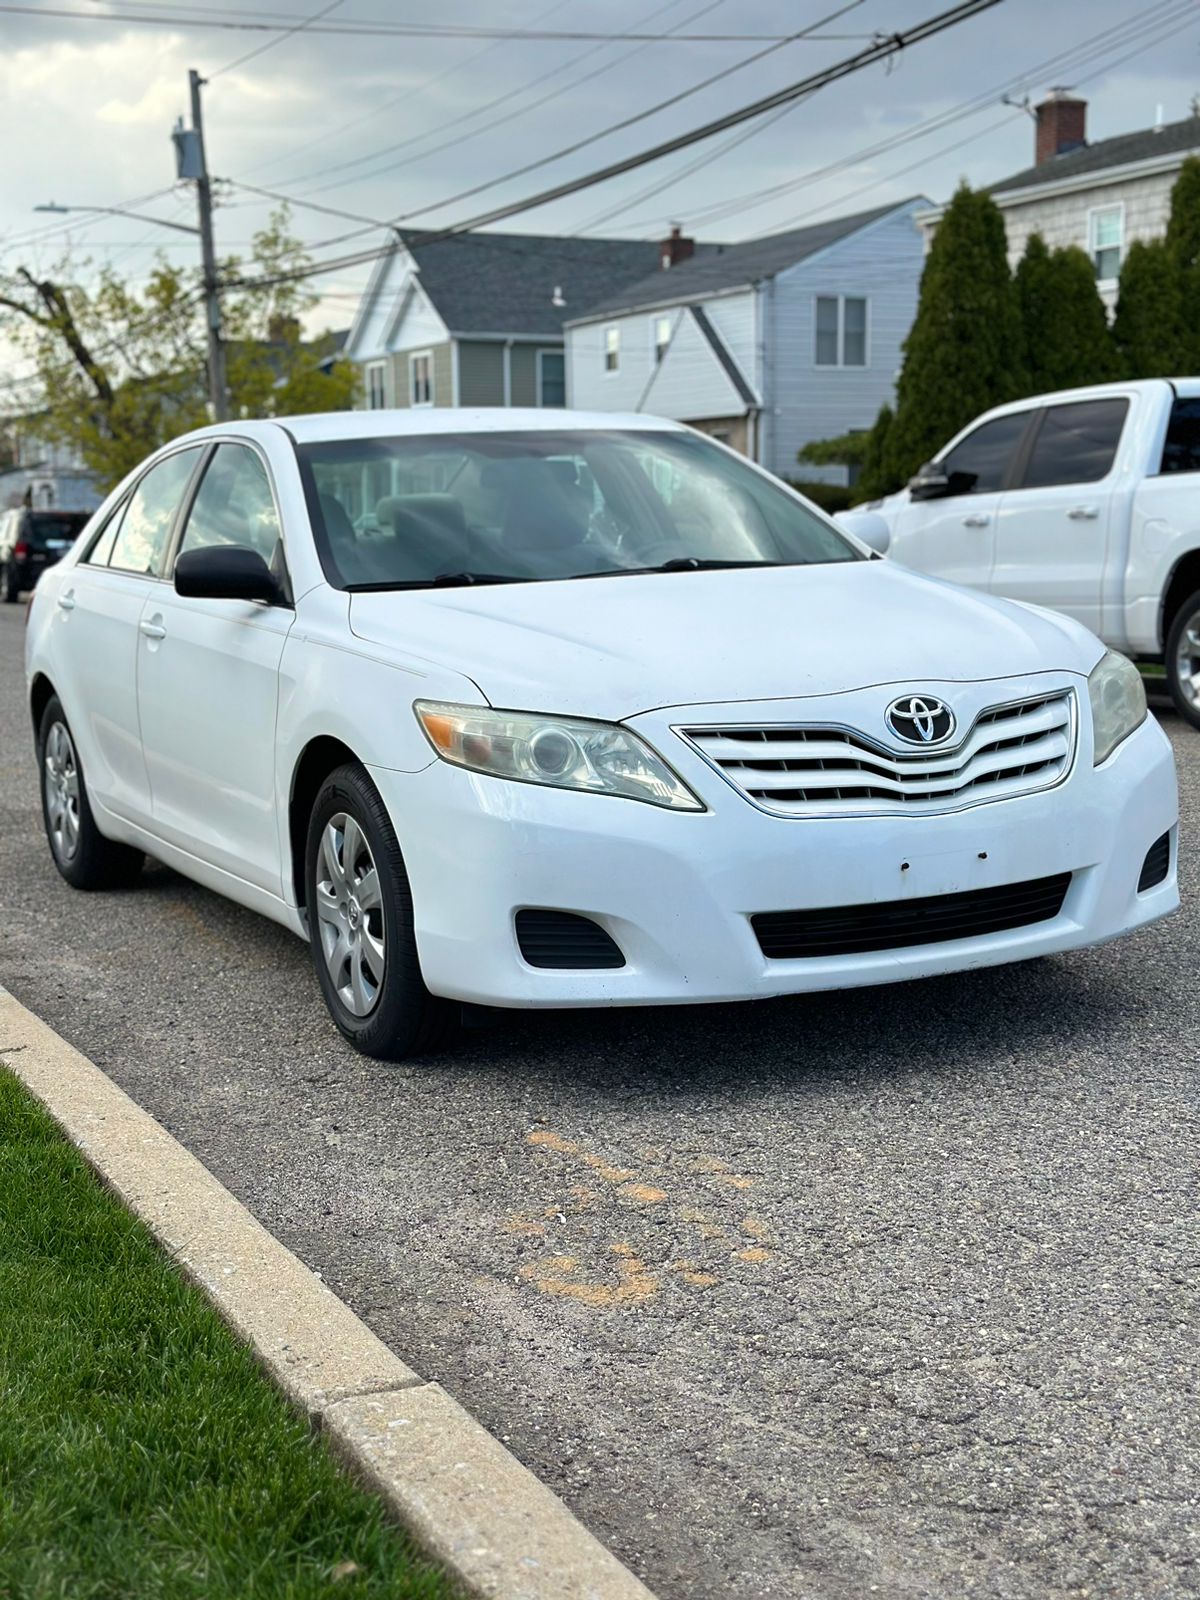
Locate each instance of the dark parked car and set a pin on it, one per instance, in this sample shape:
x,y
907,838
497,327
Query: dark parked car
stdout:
x,y
31,541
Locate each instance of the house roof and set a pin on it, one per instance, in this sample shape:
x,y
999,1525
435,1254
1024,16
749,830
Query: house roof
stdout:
x,y
715,268
1174,138
506,282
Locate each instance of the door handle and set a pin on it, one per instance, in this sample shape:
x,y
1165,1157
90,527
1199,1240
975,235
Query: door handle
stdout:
x,y
66,602
153,630
1084,513
976,520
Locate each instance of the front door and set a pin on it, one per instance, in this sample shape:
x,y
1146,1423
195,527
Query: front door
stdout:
x,y
1053,530
208,687
954,535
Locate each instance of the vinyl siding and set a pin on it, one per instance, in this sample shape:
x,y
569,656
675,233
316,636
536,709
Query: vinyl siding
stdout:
x,y
883,264
480,373
399,392
523,375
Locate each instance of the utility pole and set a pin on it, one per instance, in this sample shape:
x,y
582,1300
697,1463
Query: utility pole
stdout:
x,y
192,163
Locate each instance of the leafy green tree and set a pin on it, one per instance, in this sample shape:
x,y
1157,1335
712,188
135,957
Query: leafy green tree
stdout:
x,y
1067,338
964,352
1149,329
122,369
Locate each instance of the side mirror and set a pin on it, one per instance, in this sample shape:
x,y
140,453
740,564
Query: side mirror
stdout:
x,y
930,482
226,572
873,530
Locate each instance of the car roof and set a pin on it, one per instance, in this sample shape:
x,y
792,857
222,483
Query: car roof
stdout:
x,y
334,425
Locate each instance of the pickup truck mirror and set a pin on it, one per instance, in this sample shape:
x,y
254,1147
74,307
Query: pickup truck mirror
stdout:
x,y
929,482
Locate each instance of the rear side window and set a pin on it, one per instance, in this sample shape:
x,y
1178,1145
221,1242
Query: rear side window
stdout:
x,y
1181,452
145,531
99,550
980,462
1076,443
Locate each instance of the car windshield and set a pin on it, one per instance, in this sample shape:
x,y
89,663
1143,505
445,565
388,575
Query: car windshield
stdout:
x,y
55,527
533,506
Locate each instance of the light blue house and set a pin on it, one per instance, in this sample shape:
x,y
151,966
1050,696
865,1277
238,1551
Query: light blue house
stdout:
x,y
765,345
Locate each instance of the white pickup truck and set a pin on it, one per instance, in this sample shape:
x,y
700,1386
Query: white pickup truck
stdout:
x,y
1086,501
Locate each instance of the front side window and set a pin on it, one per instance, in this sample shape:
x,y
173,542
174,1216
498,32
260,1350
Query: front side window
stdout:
x,y
420,379
612,349
552,378
376,386
533,506
234,505
1076,443
840,337
979,463
1107,229
145,531
662,338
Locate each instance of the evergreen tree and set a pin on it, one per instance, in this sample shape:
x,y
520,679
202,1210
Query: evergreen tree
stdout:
x,y
964,352
1183,244
1149,329
876,477
1066,332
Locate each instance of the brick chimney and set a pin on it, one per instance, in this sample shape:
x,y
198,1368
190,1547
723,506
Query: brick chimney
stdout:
x,y
676,248
1061,125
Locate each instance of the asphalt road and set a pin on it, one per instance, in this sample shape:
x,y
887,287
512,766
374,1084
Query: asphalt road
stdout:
x,y
893,1293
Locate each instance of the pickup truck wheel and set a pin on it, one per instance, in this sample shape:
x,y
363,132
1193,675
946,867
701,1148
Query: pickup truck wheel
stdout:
x,y
1183,660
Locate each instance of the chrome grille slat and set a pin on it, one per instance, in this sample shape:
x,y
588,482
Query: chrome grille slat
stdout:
x,y
829,771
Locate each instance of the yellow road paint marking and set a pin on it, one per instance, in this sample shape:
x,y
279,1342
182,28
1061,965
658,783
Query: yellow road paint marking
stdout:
x,y
519,1223
692,1274
643,1193
548,1140
756,1228
713,1167
555,1276
755,1253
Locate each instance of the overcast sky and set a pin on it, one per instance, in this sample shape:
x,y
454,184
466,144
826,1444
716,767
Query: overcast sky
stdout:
x,y
86,108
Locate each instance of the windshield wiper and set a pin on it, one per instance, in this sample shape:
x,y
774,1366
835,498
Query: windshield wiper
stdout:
x,y
681,564
444,580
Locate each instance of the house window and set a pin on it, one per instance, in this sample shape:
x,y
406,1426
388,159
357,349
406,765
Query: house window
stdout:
x,y
420,379
841,331
662,338
1106,239
552,378
612,349
376,393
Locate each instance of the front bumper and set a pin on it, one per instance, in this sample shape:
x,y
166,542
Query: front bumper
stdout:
x,y
676,890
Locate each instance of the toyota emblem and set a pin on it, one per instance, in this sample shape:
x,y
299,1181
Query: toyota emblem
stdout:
x,y
920,719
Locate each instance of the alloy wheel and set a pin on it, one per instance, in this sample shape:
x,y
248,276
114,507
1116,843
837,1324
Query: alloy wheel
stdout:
x,y
60,780
350,914
1187,660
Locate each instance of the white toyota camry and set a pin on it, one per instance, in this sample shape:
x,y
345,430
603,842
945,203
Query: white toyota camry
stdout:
x,y
548,709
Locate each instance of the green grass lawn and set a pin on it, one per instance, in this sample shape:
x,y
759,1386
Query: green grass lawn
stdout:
x,y
143,1455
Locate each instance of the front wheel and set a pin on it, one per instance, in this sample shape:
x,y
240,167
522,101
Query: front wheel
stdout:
x,y
360,920
86,859
1183,660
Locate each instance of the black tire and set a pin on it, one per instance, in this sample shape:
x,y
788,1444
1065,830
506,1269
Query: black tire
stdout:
x,y
11,590
403,1018
1187,617
85,858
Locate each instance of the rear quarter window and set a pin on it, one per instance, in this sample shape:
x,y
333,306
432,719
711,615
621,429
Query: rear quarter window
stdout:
x,y
1181,449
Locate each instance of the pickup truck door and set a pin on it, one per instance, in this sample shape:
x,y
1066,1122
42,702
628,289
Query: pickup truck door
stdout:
x,y
1052,535
954,535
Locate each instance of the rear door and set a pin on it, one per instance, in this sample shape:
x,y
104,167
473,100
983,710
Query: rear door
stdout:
x,y
954,536
95,633
1054,525
208,685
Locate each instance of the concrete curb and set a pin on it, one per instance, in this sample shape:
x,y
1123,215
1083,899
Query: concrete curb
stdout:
x,y
466,1500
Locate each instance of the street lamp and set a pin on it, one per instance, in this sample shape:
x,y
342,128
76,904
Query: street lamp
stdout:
x,y
116,211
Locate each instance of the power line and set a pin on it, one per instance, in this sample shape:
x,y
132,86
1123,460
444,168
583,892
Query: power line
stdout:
x,y
879,51
290,33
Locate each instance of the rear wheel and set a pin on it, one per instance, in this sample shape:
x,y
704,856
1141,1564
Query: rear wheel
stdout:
x,y
1183,660
86,859
360,919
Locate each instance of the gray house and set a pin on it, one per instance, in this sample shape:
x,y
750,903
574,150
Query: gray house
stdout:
x,y
765,345
477,320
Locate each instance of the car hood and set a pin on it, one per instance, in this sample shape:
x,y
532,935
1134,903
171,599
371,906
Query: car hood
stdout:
x,y
614,647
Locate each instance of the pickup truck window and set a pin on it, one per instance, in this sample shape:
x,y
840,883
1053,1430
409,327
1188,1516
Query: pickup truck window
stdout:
x,y
1181,450
980,462
1075,443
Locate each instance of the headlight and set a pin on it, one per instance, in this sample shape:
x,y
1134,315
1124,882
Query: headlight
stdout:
x,y
1118,699
564,752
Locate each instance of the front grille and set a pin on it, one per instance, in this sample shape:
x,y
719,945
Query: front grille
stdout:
x,y
895,924
1156,865
565,941
821,771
